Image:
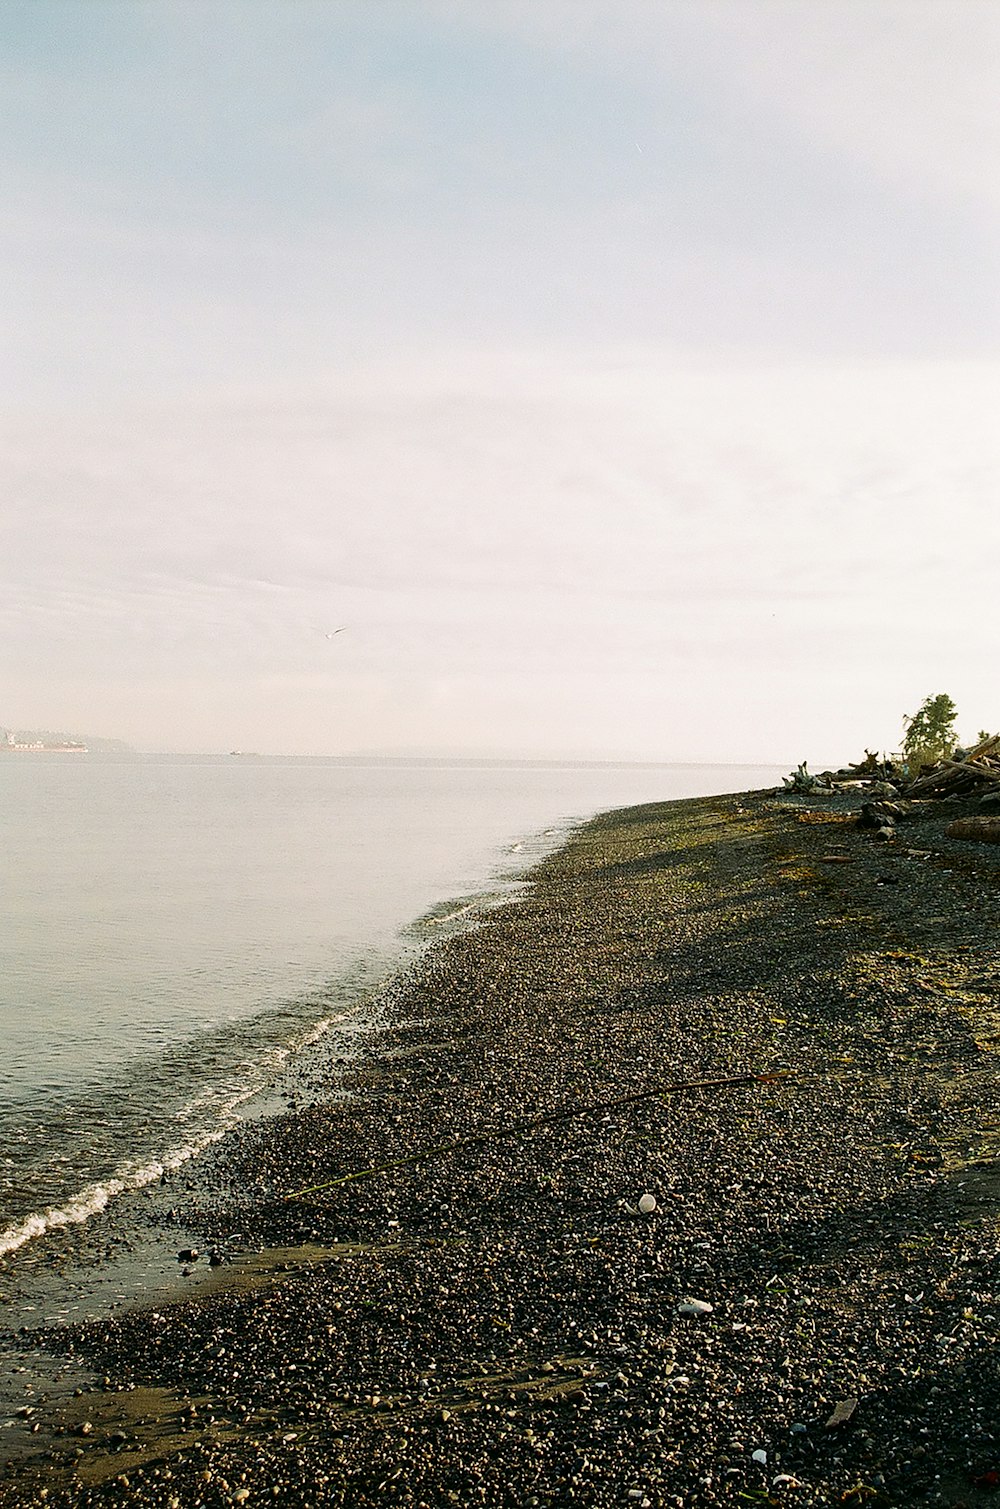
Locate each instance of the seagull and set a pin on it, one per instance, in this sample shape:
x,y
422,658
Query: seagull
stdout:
x,y
331,633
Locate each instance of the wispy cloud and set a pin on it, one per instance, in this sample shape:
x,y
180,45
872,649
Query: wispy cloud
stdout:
x,y
189,198
638,520
905,87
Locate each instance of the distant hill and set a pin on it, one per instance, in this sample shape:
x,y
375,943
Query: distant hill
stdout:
x,y
53,736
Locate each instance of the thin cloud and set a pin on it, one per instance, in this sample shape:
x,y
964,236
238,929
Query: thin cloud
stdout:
x,y
907,87
435,514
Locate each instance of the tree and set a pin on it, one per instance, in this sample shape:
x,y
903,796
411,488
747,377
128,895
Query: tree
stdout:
x,y
930,733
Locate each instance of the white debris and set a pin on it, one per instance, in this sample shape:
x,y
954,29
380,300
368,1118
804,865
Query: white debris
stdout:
x,y
760,1456
695,1307
647,1205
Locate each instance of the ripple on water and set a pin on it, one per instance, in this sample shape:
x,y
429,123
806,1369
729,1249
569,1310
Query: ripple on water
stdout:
x,y
156,1115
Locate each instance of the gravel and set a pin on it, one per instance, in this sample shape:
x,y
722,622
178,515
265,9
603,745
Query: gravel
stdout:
x,y
808,1313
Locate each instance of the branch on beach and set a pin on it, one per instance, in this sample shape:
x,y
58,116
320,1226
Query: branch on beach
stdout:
x,y
516,1128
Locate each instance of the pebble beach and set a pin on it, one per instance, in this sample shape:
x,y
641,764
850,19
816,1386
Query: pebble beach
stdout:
x,y
674,1182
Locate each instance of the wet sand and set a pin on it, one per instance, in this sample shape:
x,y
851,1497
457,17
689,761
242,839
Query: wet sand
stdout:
x,y
502,1322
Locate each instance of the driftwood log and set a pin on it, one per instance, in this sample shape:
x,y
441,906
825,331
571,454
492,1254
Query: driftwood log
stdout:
x,y
975,768
979,764
979,830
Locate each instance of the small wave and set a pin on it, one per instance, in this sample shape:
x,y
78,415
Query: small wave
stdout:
x,y
96,1197
134,1174
80,1208
223,1098
439,919
320,1029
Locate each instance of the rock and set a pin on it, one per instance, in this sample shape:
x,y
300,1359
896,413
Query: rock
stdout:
x,y
759,1456
695,1307
188,1255
647,1205
843,1412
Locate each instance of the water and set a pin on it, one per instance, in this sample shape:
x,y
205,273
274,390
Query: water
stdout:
x,y
174,929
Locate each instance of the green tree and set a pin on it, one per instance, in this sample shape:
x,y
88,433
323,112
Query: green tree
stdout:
x,y
930,733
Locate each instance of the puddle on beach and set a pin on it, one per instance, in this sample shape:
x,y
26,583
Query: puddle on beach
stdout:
x,y
57,1416
86,1434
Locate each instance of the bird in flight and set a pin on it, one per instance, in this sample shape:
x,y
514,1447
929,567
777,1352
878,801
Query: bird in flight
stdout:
x,y
330,633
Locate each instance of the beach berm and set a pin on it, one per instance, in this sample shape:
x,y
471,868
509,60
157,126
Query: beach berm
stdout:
x,y
674,1183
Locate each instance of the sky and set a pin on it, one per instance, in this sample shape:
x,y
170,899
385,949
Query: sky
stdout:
x,y
622,376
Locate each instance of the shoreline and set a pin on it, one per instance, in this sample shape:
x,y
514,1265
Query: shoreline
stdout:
x,y
305,1065
496,1325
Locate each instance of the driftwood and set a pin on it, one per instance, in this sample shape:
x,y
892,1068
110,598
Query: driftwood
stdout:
x,y
980,830
871,771
518,1128
980,771
980,765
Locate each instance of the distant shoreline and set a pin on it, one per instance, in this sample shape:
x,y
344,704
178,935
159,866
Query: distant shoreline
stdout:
x,y
470,762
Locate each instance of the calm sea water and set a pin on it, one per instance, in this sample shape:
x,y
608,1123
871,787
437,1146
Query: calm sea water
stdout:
x,y
174,929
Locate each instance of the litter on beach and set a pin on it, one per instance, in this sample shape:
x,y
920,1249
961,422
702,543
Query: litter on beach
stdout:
x,y
695,1308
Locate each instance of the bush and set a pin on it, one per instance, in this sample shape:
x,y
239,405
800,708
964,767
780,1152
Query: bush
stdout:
x,y
930,733
918,760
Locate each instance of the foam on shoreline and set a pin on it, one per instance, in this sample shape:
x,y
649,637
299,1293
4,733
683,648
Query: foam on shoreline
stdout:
x,y
96,1197
135,1174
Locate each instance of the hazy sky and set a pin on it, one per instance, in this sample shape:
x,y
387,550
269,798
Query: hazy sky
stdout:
x,y
624,374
